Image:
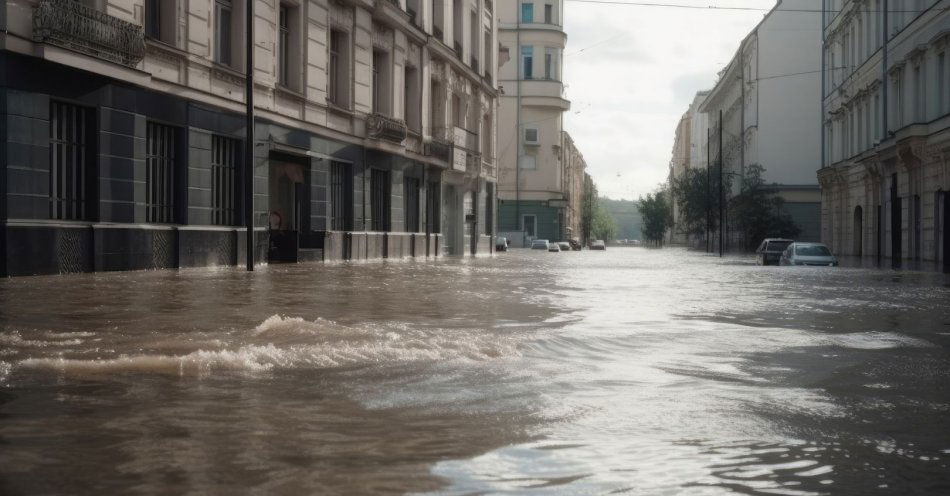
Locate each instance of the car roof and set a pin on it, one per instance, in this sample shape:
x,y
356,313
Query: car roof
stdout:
x,y
808,243
779,239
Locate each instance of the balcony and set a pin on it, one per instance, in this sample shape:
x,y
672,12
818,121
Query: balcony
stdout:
x,y
438,149
465,139
73,26
380,126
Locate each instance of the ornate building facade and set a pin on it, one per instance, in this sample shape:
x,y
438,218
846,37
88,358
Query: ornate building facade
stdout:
x,y
886,124
123,131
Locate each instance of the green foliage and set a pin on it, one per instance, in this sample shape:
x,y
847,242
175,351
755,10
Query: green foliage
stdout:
x,y
603,226
655,208
757,214
697,196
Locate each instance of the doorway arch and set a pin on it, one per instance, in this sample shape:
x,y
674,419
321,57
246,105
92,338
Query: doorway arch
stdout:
x,y
858,231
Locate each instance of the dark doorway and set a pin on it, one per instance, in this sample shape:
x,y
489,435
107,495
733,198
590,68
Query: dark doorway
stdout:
x,y
858,231
896,224
945,215
286,198
878,248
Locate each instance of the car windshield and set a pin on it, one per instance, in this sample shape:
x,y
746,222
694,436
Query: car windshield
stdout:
x,y
778,246
812,251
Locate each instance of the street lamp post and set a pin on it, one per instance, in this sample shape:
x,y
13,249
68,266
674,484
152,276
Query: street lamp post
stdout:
x,y
249,133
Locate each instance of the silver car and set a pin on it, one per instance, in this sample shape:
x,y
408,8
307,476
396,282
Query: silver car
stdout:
x,y
539,244
554,247
816,254
564,245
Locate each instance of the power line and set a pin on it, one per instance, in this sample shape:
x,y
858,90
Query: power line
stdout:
x,y
734,8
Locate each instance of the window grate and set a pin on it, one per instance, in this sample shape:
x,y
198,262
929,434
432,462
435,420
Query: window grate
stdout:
x,y
381,197
159,173
433,222
70,134
341,197
224,156
411,195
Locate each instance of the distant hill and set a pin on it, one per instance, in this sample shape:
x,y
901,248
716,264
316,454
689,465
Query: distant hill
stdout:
x,y
627,216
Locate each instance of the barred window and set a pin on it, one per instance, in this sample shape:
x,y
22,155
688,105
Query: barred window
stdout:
x,y
159,173
489,208
411,196
341,197
381,198
71,172
224,157
433,222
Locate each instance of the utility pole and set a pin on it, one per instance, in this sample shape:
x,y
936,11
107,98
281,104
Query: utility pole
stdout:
x,y
721,191
249,133
708,191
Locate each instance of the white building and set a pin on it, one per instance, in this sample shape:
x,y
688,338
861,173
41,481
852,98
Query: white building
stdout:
x,y
533,196
886,129
768,98
689,152
124,131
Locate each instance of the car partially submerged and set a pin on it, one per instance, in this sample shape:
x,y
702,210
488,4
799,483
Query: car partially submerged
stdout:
x,y
770,250
539,244
816,254
554,247
564,245
501,243
598,244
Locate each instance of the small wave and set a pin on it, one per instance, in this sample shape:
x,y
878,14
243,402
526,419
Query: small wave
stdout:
x,y
876,340
5,370
292,342
15,339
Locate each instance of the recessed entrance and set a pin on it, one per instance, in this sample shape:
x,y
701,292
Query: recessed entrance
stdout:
x,y
285,198
858,231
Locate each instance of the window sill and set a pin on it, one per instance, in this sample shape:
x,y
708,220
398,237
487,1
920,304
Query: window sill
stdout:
x,y
287,91
337,108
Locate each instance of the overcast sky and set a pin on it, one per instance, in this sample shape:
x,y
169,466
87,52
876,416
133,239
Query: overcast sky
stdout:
x,y
631,72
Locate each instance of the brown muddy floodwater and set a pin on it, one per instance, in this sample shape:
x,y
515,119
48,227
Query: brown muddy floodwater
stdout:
x,y
628,371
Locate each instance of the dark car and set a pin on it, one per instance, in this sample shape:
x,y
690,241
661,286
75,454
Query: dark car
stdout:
x,y
770,251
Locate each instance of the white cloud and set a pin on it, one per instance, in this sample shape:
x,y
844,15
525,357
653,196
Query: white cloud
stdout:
x,y
628,93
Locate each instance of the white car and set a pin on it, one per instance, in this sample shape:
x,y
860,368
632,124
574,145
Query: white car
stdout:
x,y
598,244
554,247
539,244
816,254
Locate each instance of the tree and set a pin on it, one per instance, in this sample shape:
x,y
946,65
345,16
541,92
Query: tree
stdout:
x,y
697,196
655,209
757,213
603,225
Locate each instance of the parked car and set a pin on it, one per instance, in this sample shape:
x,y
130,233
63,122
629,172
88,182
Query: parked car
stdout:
x,y
539,244
554,247
808,254
770,251
598,244
564,246
501,243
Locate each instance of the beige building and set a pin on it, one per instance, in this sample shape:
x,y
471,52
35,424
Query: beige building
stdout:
x,y
533,196
574,168
886,123
374,134
689,152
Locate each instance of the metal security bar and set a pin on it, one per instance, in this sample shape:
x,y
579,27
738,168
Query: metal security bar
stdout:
x,y
411,196
341,197
433,220
69,151
224,156
381,197
159,172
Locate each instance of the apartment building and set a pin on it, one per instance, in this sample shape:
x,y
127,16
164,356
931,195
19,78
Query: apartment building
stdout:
x,y
886,124
689,152
574,168
123,131
532,193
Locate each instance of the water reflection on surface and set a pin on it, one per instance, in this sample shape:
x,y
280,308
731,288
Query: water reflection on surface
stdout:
x,y
628,371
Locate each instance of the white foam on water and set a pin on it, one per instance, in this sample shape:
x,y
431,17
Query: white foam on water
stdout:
x,y
292,342
876,340
5,370
15,339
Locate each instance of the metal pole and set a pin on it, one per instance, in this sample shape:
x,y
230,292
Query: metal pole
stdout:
x,y
708,203
721,191
249,125
520,68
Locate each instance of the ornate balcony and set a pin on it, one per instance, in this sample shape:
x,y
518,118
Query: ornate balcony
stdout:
x,y
74,26
384,127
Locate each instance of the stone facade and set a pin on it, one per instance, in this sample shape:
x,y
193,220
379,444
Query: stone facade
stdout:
x,y
123,131
689,152
887,130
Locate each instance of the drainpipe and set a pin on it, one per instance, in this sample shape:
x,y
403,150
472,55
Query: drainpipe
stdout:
x,y
884,85
519,131
821,117
249,124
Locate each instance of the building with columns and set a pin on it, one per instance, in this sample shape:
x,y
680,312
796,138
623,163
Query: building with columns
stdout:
x,y
767,96
886,124
533,195
123,132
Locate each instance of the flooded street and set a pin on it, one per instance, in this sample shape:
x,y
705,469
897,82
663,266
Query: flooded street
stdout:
x,y
630,371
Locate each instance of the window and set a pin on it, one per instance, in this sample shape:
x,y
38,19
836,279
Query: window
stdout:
x,y
283,46
458,113
223,17
381,91
548,13
338,77
550,63
527,13
489,208
71,178
412,98
433,222
487,137
488,53
153,18
941,82
469,204
437,119
161,18
159,172
919,89
438,19
381,198
457,14
341,197
224,157
531,136
527,62
411,196
529,225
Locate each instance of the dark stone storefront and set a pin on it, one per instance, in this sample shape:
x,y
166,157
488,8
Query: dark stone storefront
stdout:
x,y
101,175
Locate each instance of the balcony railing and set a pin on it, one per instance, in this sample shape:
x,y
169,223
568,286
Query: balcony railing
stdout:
x,y
74,26
384,127
439,149
463,138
